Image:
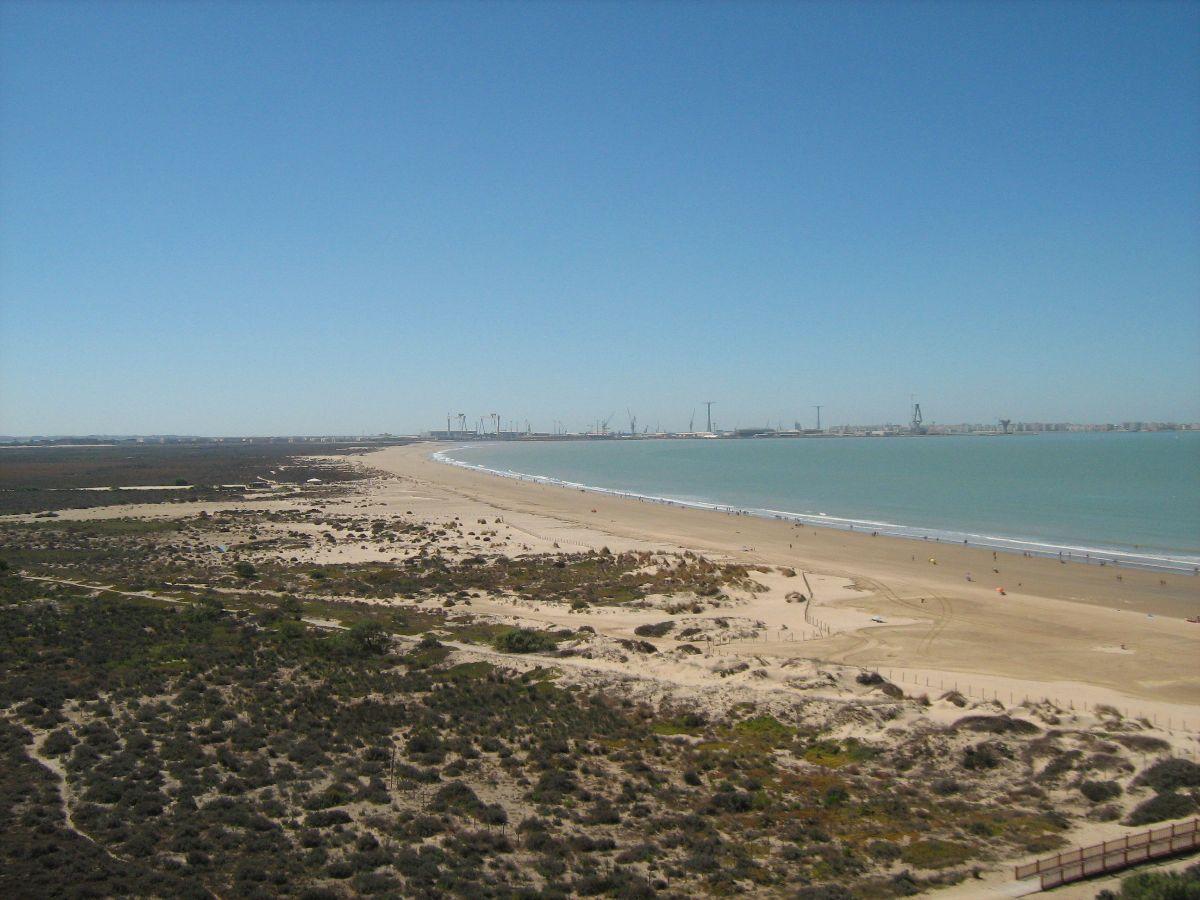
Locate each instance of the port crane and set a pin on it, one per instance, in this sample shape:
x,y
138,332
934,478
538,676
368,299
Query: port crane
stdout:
x,y
917,427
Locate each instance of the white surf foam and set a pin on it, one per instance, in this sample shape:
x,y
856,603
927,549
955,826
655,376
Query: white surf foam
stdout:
x,y
1102,556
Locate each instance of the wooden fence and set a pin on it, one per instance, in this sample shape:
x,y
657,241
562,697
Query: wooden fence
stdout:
x,y
1112,856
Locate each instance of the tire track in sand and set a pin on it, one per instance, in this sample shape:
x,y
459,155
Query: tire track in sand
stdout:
x,y
939,619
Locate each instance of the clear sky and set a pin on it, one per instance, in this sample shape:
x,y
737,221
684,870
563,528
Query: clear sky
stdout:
x,y
339,218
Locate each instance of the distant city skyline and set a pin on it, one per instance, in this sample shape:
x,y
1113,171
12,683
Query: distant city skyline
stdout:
x,y
559,429
276,218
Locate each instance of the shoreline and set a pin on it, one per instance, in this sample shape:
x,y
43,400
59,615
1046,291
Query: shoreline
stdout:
x,y
1096,556
1092,632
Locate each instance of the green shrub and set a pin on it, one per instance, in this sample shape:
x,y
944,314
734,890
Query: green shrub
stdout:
x,y
824,892
884,850
207,609
996,725
1099,791
1160,808
659,629
836,796
945,786
523,640
1158,886
369,638
553,786
58,742
983,756
1171,774
727,801
686,723
327,817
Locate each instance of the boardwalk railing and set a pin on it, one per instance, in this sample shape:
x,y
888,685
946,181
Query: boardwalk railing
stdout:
x,y
1111,856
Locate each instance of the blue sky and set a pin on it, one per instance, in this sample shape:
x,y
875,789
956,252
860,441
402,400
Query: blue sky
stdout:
x,y
316,218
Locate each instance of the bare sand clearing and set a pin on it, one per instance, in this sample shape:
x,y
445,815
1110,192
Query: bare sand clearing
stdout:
x,y
1077,633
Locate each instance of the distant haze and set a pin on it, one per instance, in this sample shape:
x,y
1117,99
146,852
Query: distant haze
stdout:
x,y
262,218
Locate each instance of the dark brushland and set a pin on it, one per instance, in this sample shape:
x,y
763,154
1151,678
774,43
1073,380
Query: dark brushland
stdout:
x,y
37,479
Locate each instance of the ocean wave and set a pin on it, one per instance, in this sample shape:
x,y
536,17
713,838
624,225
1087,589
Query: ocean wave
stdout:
x,y
1094,555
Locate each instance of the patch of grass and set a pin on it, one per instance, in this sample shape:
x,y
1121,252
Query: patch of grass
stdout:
x,y
833,755
936,854
765,729
467,671
426,657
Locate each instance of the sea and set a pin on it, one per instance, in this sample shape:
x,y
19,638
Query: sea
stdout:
x,y
1124,498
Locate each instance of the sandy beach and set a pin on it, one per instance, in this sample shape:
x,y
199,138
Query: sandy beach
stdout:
x,y
1077,633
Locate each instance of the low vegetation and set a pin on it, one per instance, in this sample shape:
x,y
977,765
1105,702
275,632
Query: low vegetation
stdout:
x,y
39,479
1183,885
230,752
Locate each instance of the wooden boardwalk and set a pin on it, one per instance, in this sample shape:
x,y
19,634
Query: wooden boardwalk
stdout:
x,y
1112,856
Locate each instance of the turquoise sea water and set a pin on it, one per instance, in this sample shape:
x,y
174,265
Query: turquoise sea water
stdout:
x,y
1128,496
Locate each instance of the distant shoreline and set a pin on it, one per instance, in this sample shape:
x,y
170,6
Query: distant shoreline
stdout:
x,y
1097,556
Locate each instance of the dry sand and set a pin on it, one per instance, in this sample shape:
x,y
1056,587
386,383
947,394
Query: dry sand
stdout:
x,y
1080,634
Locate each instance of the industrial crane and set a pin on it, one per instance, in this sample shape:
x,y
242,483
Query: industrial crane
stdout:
x,y
916,419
